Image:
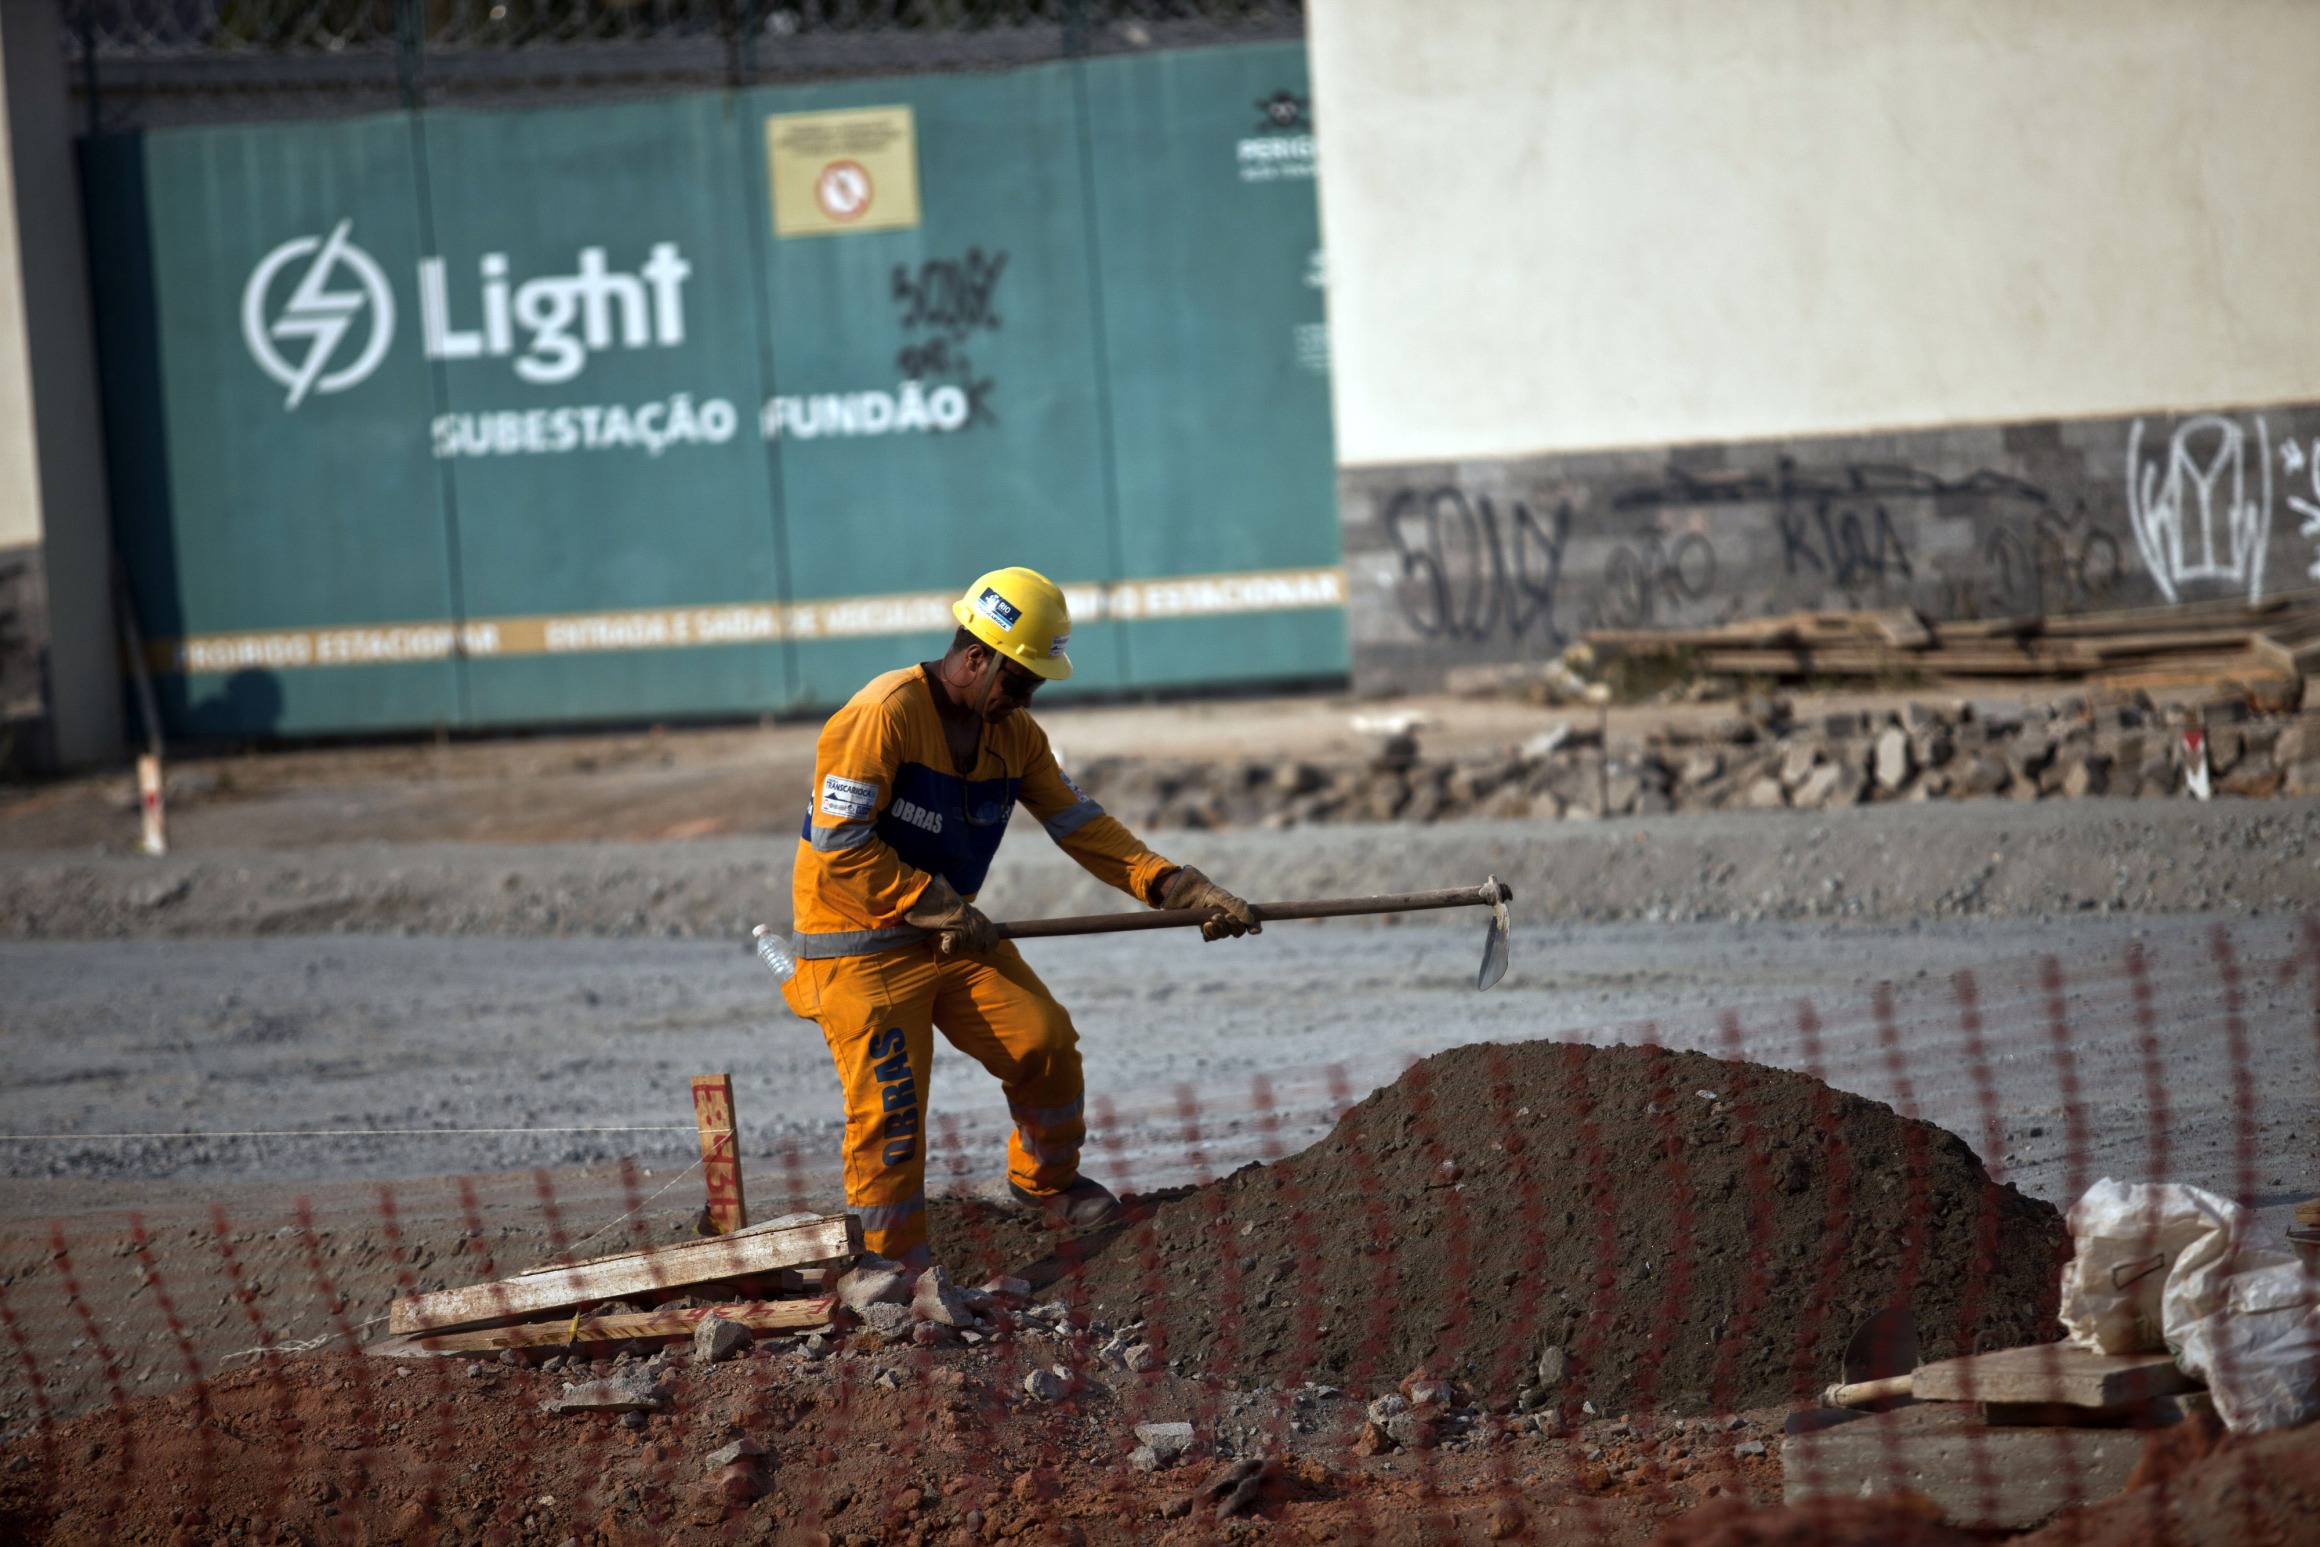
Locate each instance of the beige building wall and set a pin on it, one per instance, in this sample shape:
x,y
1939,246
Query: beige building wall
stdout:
x,y
1568,224
19,457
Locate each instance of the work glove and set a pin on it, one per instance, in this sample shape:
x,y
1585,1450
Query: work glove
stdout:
x,y
959,926
1188,888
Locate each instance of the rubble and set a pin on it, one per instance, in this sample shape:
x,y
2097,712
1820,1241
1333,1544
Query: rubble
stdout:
x,y
871,1281
888,1322
635,1390
1763,756
716,1340
1165,1443
938,1300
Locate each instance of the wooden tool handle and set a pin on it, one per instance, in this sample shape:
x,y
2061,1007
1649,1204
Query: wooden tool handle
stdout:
x,y
1317,908
1863,1393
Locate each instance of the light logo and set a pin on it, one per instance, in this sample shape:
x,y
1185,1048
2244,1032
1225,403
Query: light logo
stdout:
x,y
320,315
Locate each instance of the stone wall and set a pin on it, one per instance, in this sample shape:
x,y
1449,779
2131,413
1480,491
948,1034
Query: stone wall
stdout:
x,y
23,660
1455,564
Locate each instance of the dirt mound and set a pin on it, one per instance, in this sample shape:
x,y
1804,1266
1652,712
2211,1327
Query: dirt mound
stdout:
x,y
2243,1490
1688,1233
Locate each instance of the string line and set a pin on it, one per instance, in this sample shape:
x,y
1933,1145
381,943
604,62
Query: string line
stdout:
x,y
334,1133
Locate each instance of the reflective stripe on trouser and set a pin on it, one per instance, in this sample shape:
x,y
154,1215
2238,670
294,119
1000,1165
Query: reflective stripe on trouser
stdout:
x,y
879,1015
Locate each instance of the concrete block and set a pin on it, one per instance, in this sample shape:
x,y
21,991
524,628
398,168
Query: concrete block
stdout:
x,y
1982,1478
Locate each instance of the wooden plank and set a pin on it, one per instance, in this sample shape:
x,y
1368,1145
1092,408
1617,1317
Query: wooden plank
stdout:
x,y
2301,657
720,1160
2248,671
2220,613
2171,642
1756,663
1977,629
756,1315
2052,1372
831,1239
1900,627
1645,640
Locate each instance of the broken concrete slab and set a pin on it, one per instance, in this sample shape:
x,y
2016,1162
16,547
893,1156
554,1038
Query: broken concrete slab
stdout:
x,y
759,1316
637,1391
874,1280
1981,1478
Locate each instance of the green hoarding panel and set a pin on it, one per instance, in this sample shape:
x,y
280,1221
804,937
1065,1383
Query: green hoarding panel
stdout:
x,y
982,306
590,305
293,503
1202,170
495,418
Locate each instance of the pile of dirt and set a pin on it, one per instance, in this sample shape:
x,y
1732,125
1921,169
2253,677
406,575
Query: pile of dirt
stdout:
x,y
1657,1228
2192,1494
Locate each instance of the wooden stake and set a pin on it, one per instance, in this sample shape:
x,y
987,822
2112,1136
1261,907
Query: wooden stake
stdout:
x,y
154,838
720,1154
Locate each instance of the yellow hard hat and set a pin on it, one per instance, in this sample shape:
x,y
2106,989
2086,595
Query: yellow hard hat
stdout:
x,y
1021,614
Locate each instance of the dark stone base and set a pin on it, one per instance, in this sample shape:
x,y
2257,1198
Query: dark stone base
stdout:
x,y
1455,564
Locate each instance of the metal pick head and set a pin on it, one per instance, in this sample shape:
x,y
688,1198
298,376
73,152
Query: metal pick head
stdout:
x,y
1497,943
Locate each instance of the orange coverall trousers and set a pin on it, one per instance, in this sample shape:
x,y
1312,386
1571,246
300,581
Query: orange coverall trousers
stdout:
x,y
879,1014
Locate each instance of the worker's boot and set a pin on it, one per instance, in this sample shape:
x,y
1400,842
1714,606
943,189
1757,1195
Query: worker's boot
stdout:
x,y
1084,1205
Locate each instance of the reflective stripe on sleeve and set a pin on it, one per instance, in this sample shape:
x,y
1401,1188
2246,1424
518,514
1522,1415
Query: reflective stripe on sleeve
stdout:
x,y
1071,819
830,840
857,942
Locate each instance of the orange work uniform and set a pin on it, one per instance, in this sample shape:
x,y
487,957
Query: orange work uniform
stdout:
x,y
889,809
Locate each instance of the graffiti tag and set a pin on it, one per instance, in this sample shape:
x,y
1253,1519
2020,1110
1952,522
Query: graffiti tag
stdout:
x,y
1466,575
944,302
2196,513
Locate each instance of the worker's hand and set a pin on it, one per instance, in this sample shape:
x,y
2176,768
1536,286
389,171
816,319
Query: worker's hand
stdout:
x,y
1188,888
959,926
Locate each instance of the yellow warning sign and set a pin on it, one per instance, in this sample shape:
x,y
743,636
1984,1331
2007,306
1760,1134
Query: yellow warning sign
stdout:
x,y
855,170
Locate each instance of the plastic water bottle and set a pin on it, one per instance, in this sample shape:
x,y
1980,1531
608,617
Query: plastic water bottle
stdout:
x,y
773,950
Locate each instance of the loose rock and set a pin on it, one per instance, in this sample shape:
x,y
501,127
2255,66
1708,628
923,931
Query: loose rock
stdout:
x,y
1168,1442
874,1281
938,1300
716,1340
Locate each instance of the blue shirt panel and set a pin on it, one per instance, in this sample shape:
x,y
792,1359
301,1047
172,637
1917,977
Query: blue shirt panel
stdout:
x,y
946,825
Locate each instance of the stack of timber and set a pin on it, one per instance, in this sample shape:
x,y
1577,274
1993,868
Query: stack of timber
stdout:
x,y
766,1278
2263,646
1999,1441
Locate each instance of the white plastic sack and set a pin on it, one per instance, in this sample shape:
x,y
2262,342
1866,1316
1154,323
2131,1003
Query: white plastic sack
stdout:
x,y
2164,1266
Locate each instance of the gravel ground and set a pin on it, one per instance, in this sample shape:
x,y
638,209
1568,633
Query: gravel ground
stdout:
x,y
488,986
1267,1038
1993,859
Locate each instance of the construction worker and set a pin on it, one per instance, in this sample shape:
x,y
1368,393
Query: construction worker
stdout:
x,y
914,782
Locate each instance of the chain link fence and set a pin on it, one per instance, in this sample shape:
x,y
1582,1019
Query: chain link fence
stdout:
x,y
140,64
